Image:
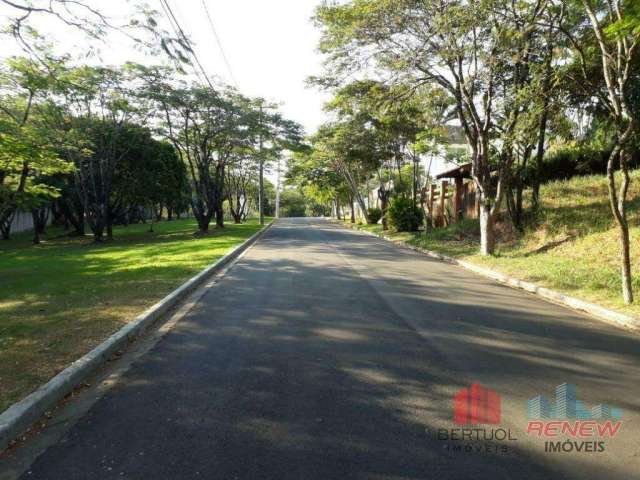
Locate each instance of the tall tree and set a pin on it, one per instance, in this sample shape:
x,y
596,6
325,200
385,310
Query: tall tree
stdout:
x,y
615,25
99,104
457,45
27,155
200,123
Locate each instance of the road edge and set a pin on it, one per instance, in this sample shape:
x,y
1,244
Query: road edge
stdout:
x,y
597,311
20,416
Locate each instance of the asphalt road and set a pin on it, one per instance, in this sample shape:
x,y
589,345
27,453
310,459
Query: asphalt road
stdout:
x,y
328,354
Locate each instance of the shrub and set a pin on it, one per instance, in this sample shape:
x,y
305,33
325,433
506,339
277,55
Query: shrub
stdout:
x,y
374,215
404,216
292,204
574,160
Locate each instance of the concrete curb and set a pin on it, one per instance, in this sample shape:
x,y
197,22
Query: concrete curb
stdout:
x,y
597,311
17,419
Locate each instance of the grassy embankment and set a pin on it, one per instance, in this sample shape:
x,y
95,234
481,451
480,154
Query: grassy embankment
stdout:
x,y
63,297
572,246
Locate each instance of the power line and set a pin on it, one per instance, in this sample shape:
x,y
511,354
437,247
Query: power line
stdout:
x,y
180,32
176,31
187,42
217,37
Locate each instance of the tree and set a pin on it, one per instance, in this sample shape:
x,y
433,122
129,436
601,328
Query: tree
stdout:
x,y
463,47
202,125
241,186
27,156
616,27
318,180
273,134
293,203
393,119
141,26
350,149
97,106
149,178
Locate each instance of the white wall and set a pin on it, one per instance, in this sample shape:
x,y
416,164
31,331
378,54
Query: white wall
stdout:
x,y
23,222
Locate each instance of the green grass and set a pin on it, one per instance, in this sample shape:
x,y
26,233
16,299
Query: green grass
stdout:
x,y
571,246
63,297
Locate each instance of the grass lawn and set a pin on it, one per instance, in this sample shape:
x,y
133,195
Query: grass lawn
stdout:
x,y
571,246
63,297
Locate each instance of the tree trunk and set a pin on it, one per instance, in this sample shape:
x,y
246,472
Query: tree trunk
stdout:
x,y
384,206
152,218
542,129
415,183
73,213
353,211
487,233
39,215
618,208
59,218
5,224
98,232
219,216
354,190
36,225
203,223
627,287
383,196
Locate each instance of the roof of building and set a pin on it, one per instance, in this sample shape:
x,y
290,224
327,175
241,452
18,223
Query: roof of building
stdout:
x,y
461,171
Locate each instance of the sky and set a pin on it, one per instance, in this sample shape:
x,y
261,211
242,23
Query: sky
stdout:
x,y
270,46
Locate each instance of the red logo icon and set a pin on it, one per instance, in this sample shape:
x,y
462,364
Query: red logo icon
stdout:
x,y
476,405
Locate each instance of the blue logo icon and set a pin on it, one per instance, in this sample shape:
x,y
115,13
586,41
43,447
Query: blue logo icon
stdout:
x,y
567,406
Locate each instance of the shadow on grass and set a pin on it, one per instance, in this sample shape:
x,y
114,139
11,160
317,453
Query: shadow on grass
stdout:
x,y
59,299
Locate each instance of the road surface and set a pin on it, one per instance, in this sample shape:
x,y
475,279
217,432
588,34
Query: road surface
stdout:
x,y
327,354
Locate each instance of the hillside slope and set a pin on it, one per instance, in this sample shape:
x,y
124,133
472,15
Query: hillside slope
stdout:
x,y
572,246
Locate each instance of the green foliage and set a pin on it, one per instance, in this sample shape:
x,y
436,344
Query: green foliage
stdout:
x,y
374,215
100,287
404,216
629,24
573,159
292,204
28,152
148,173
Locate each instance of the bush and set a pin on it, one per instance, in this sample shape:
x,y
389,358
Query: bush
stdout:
x,y
575,160
374,215
292,204
404,216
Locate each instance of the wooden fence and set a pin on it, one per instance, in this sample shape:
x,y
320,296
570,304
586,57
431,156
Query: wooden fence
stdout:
x,y
448,202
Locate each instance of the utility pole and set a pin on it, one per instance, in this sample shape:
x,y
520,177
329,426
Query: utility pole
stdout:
x,y
278,191
261,181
